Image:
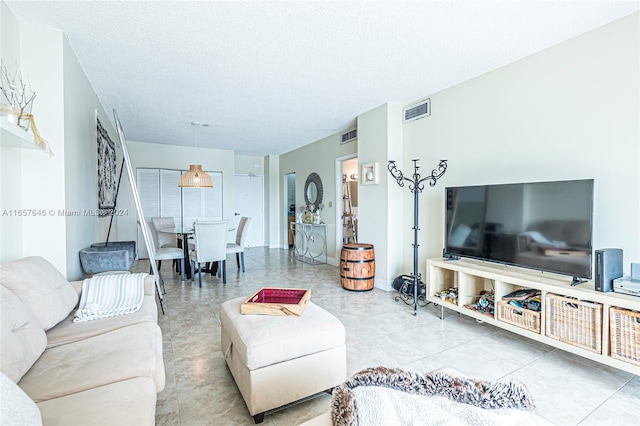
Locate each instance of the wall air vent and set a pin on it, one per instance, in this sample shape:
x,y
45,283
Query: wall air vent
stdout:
x,y
349,136
417,111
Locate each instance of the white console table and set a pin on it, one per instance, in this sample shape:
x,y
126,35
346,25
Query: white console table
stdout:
x,y
471,277
309,242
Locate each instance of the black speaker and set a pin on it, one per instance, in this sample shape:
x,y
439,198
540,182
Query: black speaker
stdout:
x,y
608,266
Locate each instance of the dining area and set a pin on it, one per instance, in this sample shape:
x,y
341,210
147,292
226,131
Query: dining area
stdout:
x,y
202,247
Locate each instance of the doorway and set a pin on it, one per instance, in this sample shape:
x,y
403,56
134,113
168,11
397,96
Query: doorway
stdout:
x,y
347,199
249,197
290,206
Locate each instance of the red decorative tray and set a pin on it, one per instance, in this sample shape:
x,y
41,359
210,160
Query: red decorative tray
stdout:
x,y
276,301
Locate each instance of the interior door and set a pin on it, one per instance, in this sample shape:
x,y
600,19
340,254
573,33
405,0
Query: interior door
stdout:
x,y
249,196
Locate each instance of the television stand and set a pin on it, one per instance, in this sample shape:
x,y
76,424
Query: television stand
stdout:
x,y
457,286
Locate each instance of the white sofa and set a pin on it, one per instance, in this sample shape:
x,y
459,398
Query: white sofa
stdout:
x,y
57,372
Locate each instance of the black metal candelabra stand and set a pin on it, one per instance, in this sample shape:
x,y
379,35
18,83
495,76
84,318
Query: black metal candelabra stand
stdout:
x,y
416,186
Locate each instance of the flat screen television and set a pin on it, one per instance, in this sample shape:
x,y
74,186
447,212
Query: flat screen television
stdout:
x,y
546,226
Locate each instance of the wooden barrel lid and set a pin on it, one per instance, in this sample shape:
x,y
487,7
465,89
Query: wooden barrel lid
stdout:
x,y
357,246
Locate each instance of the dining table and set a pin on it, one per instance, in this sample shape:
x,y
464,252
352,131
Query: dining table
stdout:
x,y
185,232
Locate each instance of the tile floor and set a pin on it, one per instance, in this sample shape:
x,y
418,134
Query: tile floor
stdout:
x,y
567,389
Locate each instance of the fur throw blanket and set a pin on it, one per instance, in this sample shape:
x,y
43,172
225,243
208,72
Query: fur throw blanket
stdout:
x,y
391,396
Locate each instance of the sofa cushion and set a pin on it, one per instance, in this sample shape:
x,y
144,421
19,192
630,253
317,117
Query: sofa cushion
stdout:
x,y
68,331
41,287
122,354
129,402
16,408
22,338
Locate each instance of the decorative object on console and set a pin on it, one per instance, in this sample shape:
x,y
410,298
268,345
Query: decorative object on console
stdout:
x,y
416,186
16,102
485,303
195,177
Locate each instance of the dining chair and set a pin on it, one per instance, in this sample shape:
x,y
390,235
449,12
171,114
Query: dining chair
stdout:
x,y
165,240
192,244
241,237
210,246
165,253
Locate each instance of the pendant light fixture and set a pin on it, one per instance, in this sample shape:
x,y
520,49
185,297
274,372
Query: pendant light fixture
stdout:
x,y
195,177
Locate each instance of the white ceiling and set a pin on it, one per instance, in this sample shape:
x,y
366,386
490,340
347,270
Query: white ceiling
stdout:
x,y
271,76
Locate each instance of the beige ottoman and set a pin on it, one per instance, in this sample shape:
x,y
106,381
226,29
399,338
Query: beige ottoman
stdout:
x,y
276,360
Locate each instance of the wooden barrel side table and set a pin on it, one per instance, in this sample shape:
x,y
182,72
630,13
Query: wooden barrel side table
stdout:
x,y
357,267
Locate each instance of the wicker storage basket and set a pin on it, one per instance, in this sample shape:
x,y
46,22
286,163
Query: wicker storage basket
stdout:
x,y
576,322
523,318
624,326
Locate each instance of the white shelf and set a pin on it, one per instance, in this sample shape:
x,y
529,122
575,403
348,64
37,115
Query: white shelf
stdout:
x,y
471,276
14,136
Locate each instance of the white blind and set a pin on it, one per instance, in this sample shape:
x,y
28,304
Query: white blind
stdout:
x,y
213,198
161,196
149,189
191,205
170,195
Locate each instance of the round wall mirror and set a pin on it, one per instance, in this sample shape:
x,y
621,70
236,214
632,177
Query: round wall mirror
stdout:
x,y
313,190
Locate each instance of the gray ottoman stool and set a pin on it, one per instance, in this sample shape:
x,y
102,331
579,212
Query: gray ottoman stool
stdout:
x,y
276,360
95,260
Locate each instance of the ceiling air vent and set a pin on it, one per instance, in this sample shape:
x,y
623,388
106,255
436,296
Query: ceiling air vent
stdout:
x,y
417,111
349,136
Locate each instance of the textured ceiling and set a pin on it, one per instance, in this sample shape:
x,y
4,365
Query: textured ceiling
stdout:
x,y
272,76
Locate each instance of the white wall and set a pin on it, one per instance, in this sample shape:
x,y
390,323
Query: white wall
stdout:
x,y
10,158
64,114
42,178
247,165
318,157
380,221
272,202
569,112
173,157
81,176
